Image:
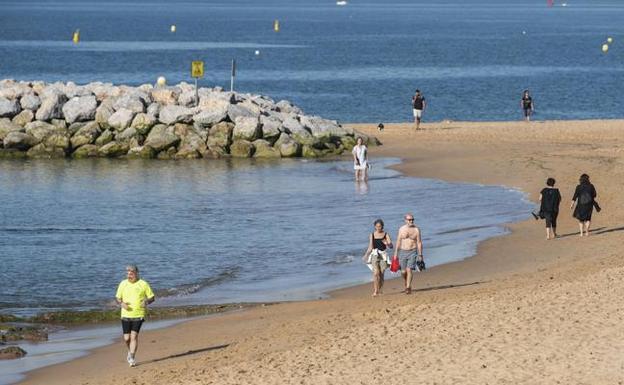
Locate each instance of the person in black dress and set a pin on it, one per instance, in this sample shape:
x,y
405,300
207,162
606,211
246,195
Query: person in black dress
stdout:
x,y
549,207
527,105
584,197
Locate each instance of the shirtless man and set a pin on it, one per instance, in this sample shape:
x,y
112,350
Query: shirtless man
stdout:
x,y
409,249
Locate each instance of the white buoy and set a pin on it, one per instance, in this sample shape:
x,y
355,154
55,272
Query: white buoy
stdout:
x,y
605,48
173,28
161,81
257,52
609,40
524,32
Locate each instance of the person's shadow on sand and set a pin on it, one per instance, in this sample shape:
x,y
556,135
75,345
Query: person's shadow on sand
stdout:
x,y
187,353
596,231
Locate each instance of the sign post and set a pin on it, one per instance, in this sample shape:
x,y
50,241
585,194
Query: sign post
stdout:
x,y
233,75
197,71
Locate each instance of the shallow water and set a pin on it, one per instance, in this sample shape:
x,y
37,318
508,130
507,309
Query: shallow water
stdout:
x,y
358,63
218,231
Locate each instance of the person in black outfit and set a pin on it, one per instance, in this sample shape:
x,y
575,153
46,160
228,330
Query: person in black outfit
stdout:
x,y
527,105
585,199
418,106
549,207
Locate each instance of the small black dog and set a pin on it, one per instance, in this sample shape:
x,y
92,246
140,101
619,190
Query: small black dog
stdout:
x,y
380,127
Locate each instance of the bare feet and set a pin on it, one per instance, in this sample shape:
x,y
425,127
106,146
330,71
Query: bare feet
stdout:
x,y
408,291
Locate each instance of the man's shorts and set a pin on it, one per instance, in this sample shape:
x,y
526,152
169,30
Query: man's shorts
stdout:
x,y
417,113
131,324
407,259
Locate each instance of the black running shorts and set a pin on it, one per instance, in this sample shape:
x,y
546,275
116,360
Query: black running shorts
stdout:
x,y
131,324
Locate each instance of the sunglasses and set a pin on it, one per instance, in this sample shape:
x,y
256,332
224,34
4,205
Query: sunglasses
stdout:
x,y
409,219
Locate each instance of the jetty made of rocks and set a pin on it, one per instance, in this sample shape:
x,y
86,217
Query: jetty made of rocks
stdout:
x,y
58,120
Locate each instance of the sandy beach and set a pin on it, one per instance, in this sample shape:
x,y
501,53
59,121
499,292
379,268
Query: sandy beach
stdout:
x,y
522,311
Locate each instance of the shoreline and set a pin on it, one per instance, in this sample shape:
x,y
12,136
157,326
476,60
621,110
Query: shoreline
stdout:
x,y
486,273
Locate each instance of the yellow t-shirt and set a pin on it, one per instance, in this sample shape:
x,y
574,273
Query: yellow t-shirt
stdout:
x,y
134,294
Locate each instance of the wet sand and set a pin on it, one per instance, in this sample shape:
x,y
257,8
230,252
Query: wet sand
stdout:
x,y
522,311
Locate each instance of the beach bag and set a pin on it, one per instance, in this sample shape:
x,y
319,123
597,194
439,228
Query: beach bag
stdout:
x,y
395,265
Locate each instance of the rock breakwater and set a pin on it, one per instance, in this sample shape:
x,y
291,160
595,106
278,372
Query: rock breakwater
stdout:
x,y
57,120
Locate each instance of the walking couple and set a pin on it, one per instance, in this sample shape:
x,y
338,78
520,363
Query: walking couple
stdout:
x,y
409,251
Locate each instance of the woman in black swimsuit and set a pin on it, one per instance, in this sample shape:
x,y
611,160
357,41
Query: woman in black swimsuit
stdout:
x,y
527,105
585,199
376,255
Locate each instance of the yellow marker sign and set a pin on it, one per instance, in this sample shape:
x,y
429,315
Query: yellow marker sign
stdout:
x,y
76,37
197,69
276,26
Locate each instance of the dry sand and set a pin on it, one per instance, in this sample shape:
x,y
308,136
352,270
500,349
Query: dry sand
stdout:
x,y
522,311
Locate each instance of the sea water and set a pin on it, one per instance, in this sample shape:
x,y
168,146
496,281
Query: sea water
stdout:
x,y
219,231
355,63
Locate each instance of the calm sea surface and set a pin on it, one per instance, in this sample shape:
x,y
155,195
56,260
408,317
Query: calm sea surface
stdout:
x,y
357,63
218,231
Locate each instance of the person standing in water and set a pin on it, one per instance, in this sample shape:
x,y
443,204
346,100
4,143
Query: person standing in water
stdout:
x,y
528,107
133,295
584,197
549,207
409,250
376,255
418,107
360,160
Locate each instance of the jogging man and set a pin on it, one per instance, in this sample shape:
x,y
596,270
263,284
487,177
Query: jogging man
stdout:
x,y
409,250
133,295
418,105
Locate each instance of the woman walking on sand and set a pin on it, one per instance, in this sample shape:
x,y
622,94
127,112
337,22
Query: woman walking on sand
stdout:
x,y
584,197
360,160
550,197
527,105
376,255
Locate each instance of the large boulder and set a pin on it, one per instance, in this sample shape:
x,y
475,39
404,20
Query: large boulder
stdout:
x,y
241,149
86,151
113,150
208,118
296,130
105,137
30,101
40,130
162,137
287,146
215,101
165,95
270,128
143,123
19,140
310,152
127,134
235,111
57,141
167,154
191,145
11,353
9,108
103,113
172,114
23,118
263,149
7,126
42,151
86,135
51,105
287,107
121,119
142,152
246,128
323,129
153,109
220,136
132,102
187,99
80,109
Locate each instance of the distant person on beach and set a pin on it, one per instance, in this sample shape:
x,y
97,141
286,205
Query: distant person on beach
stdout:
x,y
528,107
376,255
360,160
549,207
585,199
133,295
418,107
409,250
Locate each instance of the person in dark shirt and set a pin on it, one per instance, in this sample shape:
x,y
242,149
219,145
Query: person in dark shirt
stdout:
x,y
585,199
549,207
418,105
527,105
